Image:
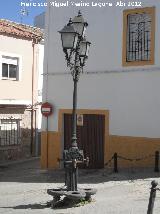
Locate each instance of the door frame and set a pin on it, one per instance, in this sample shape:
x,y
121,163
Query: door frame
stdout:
x,y
85,111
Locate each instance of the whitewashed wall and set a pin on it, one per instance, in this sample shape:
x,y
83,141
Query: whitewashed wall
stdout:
x,y
132,95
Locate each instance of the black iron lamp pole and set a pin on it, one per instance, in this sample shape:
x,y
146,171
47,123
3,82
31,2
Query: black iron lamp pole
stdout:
x,y
74,119
75,47
75,73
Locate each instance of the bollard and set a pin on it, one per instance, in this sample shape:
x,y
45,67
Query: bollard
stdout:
x,y
152,197
115,163
156,169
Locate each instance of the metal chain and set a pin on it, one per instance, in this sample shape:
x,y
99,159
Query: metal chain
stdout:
x,y
124,158
109,161
129,159
135,159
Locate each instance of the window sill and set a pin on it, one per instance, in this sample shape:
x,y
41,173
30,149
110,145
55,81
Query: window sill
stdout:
x,y
138,63
9,79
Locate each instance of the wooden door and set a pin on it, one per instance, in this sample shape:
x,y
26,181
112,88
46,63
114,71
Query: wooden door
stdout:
x,y
90,137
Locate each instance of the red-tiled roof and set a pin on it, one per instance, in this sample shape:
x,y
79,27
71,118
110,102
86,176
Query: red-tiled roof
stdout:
x,y
20,30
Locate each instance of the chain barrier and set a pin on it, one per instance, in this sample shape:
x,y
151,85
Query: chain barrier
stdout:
x,y
135,159
129,159
115,158
109,161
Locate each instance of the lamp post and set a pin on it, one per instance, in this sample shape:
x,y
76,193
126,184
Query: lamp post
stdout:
x,y
76,48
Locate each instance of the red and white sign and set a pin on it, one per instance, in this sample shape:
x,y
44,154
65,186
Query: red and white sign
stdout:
x,y
46,109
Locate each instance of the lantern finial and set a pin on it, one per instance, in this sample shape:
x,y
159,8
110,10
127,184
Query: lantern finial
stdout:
x,y
70,22
79,13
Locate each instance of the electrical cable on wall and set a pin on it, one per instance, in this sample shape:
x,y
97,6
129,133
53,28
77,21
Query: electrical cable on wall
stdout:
x,y
151,69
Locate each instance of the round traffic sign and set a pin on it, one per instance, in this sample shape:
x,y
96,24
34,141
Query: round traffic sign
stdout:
x,y
46,109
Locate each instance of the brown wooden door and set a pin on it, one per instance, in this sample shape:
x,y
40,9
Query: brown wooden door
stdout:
x,y
90,137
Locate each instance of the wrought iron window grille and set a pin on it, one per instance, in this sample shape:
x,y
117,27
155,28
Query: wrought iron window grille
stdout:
x,y
10,133
138,37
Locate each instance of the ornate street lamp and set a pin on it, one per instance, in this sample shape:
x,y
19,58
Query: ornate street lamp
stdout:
x,y
76,49
83,51
79,24
69,37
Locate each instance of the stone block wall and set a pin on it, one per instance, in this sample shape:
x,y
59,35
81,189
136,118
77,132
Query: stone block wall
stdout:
x,y
22,149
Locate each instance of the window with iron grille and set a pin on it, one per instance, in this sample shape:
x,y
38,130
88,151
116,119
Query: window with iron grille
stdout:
x,y
138,36
9,132
10,67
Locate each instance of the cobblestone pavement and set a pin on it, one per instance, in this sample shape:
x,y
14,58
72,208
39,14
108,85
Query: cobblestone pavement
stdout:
x,y
23,190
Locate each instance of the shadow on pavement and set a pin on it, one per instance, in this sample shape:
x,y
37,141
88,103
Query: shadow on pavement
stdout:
x,y
62,204
31,172
30,206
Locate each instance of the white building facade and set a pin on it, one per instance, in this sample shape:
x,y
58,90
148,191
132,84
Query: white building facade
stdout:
x,y
120,80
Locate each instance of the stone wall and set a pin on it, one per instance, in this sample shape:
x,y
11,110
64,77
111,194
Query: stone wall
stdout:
x,y
22,149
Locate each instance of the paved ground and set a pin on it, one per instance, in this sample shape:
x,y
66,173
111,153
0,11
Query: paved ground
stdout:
x,y
23,190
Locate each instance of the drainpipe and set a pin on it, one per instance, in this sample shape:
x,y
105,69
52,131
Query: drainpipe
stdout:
x,y
47,143
36,134
32,108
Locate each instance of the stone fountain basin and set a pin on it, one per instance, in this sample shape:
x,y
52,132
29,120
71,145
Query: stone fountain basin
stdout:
x,y
90,191
74,195
56,192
